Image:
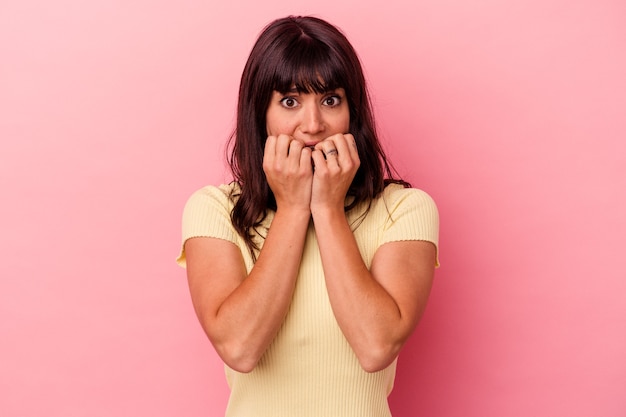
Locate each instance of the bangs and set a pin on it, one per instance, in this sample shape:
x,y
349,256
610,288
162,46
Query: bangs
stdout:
x,y
310,67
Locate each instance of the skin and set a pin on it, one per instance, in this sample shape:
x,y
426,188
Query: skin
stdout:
x,y
377,309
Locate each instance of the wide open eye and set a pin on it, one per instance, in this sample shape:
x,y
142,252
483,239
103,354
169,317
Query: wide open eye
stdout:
x,y
332,101
289,102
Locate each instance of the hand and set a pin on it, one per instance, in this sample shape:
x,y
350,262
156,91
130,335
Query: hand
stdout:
x,y
336,162
288,168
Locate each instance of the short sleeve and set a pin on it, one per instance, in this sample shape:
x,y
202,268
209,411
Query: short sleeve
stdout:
x,y
413,215
207,214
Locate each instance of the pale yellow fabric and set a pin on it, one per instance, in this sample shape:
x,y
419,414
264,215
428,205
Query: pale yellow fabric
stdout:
x,y
310,370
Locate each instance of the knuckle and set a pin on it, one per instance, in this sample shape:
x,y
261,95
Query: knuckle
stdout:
x,y
277,167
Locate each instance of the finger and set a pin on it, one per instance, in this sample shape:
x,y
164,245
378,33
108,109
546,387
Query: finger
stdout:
x,y
319,160
295,145
282,145
295,152
306,161
352,149
328,147
332,152
270,149
346,147
343,151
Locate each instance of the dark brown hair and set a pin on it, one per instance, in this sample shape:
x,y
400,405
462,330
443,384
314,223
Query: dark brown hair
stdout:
x,y
314,56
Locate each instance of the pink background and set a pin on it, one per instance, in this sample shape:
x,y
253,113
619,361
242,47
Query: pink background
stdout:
x,y
510,114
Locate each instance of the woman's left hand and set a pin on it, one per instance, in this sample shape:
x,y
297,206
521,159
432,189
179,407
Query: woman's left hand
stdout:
x,y
336,161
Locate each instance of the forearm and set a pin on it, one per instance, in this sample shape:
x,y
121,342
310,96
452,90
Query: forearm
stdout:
x,y
247,320
368,315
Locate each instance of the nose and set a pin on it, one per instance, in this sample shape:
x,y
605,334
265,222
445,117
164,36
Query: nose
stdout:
x,y
312,122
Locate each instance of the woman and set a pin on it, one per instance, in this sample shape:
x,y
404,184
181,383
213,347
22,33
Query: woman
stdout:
x,y
311,269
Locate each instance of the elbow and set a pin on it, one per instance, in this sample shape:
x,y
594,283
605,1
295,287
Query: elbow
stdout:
x,y
242,366
375,359
234,351
238,358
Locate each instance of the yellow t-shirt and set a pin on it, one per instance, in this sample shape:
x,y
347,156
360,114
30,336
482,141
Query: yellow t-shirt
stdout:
x,y
310,370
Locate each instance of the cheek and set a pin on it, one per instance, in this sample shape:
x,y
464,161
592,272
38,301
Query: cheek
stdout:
x,y
346,121
270,125
275,128
339,122
276,125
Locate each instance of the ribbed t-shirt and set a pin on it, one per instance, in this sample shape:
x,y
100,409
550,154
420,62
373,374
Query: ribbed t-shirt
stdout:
x,y
310,370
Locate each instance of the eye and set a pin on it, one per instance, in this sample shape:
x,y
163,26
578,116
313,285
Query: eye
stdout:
x,y
332,101
289,102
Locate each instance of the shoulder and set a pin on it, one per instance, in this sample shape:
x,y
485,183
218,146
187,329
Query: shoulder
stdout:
x,y
223,191
397,214
211,195
208,208
412,215
409,212
207,214
396,196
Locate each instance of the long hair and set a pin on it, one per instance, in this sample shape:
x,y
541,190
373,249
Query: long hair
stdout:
x,y
314,56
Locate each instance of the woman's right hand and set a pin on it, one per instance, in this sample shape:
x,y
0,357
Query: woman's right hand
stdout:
x,y
288,167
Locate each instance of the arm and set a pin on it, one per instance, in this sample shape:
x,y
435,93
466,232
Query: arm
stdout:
x,y
240,312
377,309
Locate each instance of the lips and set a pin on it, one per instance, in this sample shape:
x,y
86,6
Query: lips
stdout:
x,y
308,142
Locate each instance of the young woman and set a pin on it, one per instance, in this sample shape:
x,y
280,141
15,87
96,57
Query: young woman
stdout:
x,y
311,269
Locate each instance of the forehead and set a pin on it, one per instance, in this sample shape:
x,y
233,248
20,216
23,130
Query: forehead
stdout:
x,y
308,70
